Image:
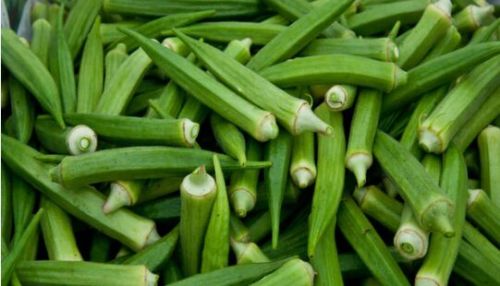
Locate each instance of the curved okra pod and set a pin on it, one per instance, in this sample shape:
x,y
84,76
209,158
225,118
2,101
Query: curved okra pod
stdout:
x,y
295,271
294,114
327,69
40,41
364,124
23,111
229,138
383,49
472,17
31,72
248,252
302,163
260,124
489,154
58,235
437,72
431,208
330,180
438,129
138,130
443,250
430,28
198,193
113,61
70,140
484,213
296,36
215,253
91,75
123,193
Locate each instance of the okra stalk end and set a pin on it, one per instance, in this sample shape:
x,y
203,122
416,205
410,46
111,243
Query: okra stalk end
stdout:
x,y
336,97
190,130
306,120
243,201
199,184
359,163
118,197
268,129
303,177
410,243
430,141
81,139
437,217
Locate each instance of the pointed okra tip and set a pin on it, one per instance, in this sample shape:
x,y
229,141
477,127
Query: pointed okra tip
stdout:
x,y
118,197
358,163
303,177
243,201
306,121
437,217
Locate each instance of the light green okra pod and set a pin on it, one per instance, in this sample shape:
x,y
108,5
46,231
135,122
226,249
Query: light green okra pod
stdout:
x,y
91,75
248,252
40,41
295,271
326,261
484,213
79,22
23,111
113,61
472,17
123,193
449,42
170,101
489,154
484,34
302,163
109,31
364,124
229,138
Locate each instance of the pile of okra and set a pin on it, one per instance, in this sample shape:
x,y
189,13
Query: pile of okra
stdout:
x,y
250,142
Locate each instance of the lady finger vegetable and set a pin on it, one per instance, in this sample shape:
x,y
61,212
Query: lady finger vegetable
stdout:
x,y
229,138
6,207
340,97
482,211
122,193
326,261
248,252
40,41
79,22
302,163
22,110
472,17
112,62
489,152
295,271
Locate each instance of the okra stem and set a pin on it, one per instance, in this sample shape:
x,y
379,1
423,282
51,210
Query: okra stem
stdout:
x,y
340,97
472,17
122,193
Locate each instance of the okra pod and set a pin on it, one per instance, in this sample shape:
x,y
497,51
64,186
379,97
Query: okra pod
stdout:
x,y
163,209
302,163
243,186
160,187
122,193
295,271
229,138
430,28
328,69
79,22
23,111
142,101
473,266
223,8
31,72
276,19
481,243
443,250
136,130
383,49
489,154
258,33
296,36
215,253
449,42
294,114
58,235
170,101
277,151
248,252
368,245
40,41
171,272
155,255
340,97
99,247
484,34
198,193
83,273
326,261
239,231
238,274
84,203
6,206
482,211
260,124
431,208
472,17
437,130
91,75
381,17
109,31
23,203
436,72
364,124
70,140
113,61
330,180
137,163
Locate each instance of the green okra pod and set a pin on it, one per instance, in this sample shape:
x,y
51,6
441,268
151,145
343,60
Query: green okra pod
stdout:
x,y
258,33
215,254
330,180
229,138
58,235
31,72
484,34
364,124
83,273
438,129
276,19
79,22
293,113
123,83
162,209
23,111
296,36
223,8
156,254
23,203
443,250
6,206
248,252
430,28
473,236
198,193
302,163
295,271
137,163
484,213
243,186
472,17
40,41
171,272
326,261
474,267
449,42
122,193
84,203
239,231
365,240
277,151
340,97
141,101
91,75
160,187
431,208
113,61
489,154
381,17
69,140
99,247
383,49
169,100
328,69
137,130
437,72
260,124
109,31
